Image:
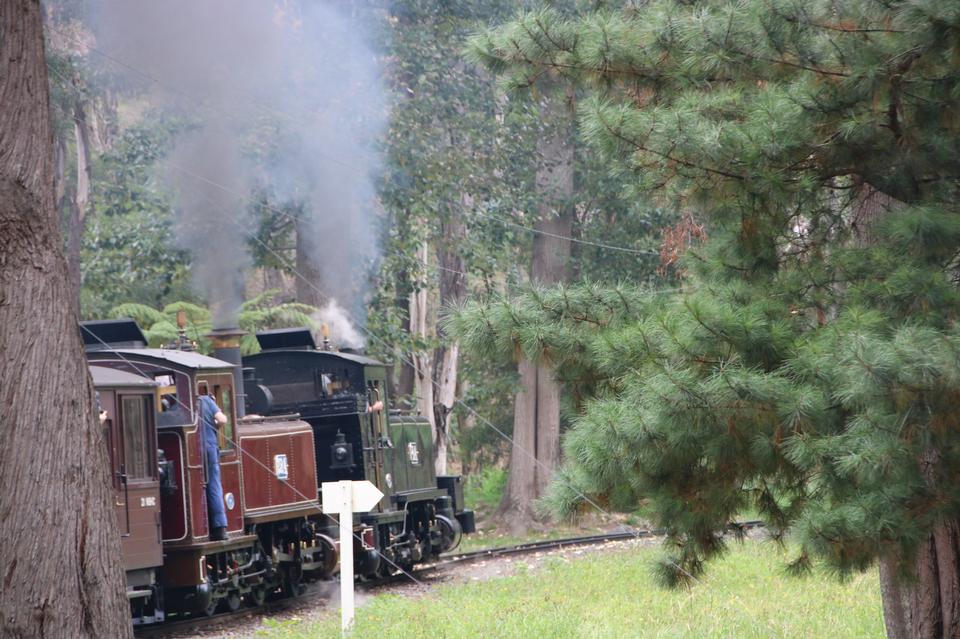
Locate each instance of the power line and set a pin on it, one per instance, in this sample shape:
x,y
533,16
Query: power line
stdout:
x,y
370,334
564,237
299,121
232,218
249,455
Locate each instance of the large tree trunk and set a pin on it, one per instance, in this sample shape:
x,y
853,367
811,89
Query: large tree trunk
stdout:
x,y
516,509
536,424
926,603
404,374
60,563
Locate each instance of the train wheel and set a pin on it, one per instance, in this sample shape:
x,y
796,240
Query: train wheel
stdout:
x,y
233,601
450,533
211,607
256,596
387,567
292,586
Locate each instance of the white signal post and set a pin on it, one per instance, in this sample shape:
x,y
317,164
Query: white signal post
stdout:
x,y
346,498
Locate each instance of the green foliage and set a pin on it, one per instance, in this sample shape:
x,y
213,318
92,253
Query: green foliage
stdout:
x,y
160,326
129,252
808,367
461,162
483,490
261,313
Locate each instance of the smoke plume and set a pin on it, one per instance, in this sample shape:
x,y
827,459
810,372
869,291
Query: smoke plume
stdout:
x,y
343,334
281,96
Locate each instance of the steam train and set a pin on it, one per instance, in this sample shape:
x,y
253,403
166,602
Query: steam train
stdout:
x,y
314,416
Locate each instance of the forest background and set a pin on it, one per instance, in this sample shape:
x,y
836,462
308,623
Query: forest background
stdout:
x,y
447,186
800,360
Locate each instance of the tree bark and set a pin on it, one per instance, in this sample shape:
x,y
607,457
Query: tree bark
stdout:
x,y
60,568
310,286
926,604
422,360
81,199
516,509
536,425
403,371
453,288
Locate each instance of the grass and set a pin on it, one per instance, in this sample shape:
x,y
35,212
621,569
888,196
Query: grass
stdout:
x,y
482,491
743,596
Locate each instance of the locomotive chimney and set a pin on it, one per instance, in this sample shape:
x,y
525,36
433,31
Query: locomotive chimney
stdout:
x,y
182,343
226,346
325,332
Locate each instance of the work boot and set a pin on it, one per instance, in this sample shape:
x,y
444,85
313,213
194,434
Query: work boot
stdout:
x,y
218,534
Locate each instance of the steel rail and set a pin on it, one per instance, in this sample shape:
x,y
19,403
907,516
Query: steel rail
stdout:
x,y
199,622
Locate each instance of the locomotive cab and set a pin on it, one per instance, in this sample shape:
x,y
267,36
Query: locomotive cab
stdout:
x,y
343,396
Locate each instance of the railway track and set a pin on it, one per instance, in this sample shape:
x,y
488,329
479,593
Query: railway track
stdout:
x,y
183,627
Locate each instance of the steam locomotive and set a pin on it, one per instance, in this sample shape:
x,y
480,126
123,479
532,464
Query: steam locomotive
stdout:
x,y
320,416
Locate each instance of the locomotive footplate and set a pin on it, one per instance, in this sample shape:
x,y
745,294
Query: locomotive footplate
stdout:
x,y
208,547
389,517
278,513
425,494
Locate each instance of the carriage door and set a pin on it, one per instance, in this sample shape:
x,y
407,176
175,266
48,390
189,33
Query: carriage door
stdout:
x,y
113,433
220,386
140,483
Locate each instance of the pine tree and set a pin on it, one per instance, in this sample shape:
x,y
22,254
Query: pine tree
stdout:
x,y
810,365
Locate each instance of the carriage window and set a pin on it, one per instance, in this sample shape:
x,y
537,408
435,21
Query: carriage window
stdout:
x,y
173,399
135,413
224,399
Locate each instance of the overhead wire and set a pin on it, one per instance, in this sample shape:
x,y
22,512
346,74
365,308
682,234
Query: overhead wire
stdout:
x,y
232,218
199,424
299,121
375,337
514,446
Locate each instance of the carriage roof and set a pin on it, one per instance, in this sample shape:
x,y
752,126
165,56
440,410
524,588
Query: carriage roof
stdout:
x,y
104,376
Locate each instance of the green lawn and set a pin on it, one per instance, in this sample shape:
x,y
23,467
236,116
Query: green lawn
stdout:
x,y
742,596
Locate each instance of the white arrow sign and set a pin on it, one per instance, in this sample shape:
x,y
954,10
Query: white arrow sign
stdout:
x,y
365,496
345,498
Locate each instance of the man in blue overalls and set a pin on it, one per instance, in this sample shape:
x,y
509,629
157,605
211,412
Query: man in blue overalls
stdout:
x,y
211,418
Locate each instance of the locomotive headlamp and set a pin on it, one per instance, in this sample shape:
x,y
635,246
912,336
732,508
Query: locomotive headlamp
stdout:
x,y
341,453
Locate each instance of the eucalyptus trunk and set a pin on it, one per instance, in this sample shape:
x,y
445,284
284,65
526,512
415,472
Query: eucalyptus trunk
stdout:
x,y
536,425
453,289
310,287
60,562
422,360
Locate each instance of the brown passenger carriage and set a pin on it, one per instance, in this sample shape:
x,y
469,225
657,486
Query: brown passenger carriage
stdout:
x,y
276,536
